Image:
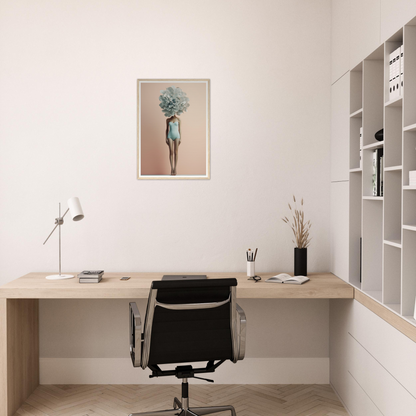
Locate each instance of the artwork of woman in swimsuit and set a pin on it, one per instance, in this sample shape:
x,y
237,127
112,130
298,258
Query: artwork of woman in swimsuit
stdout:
x,y
173,140
173,102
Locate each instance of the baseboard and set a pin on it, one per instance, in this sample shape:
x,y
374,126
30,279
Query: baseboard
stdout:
x,y
248,371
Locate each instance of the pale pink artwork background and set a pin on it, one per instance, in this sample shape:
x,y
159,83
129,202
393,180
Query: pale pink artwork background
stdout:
x,y
153,151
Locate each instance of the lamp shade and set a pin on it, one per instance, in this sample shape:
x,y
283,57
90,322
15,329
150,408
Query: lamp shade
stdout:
x,y
75,209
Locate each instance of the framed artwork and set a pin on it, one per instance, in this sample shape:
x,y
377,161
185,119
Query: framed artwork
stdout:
x,y
173,129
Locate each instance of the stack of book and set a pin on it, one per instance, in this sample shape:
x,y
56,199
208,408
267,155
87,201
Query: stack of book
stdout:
x,y
396,63
91,276
412,178
378,172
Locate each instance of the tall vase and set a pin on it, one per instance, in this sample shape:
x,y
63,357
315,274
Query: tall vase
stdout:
x,y
301,261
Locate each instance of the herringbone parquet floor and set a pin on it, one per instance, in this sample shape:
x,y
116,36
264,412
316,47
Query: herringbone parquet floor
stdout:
x,y
120,400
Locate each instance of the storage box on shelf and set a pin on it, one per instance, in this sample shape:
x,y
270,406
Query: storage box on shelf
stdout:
x,y
386,222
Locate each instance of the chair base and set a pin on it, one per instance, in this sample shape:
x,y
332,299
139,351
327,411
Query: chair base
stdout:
x,y
179,410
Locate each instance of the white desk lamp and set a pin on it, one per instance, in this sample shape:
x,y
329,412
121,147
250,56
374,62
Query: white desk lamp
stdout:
x,y
74,208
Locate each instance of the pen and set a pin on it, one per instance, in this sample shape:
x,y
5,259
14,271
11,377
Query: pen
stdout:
x,y
255,255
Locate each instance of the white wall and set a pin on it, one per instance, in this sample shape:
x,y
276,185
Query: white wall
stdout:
x,y
86,342
359,27
68,74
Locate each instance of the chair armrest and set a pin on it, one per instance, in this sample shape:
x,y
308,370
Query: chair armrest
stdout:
x,y
135,335
241,331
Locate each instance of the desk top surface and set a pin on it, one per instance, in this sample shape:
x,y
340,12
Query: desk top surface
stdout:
x,y
35,286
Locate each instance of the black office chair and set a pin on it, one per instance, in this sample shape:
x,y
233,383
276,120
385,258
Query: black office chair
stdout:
x,y
187,322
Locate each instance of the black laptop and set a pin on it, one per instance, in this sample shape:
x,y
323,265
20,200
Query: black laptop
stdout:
x,y
184,276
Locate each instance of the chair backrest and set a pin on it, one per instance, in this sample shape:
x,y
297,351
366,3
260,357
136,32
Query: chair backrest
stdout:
x,y
190,321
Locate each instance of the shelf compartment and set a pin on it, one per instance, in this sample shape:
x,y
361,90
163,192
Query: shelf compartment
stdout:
x,y
395,307
389,47
409,208
409,155
392,205
393,243
375,294
372,246
409,273
373,105
355,125
393,131
356,87
367,155
392,275
409,71
355,215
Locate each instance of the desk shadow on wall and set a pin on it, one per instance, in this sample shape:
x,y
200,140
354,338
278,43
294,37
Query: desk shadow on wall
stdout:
x,y
98,328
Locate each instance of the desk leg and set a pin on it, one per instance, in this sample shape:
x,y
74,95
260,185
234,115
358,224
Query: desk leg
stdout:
x,y
19,352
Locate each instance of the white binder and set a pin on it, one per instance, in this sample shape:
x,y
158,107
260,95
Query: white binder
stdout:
x,y
395,90
401,69
391,57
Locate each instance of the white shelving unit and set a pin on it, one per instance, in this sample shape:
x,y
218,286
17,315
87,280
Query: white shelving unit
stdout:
x,y
384,227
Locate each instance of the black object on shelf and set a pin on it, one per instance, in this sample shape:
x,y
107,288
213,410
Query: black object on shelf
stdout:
x,y
379,135
301,261
377,174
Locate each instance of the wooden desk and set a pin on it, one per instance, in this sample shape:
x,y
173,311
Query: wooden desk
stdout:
x,y
35,286
19,315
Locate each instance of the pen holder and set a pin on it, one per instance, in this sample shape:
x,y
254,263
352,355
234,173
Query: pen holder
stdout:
x,y
251,269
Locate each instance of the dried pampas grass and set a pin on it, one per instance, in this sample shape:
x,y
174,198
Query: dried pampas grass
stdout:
x,y
299,227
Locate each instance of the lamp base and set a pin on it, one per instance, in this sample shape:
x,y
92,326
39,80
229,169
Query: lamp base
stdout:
x,y
60,276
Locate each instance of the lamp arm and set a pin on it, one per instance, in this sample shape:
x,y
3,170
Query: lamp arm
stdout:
x,y
58,221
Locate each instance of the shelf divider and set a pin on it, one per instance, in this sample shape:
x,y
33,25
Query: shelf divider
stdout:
x,y
373,198
375,145
395,102
412,127
357,114
393,243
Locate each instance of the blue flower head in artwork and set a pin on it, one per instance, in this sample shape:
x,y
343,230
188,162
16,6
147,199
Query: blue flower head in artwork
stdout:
x,y
173,101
